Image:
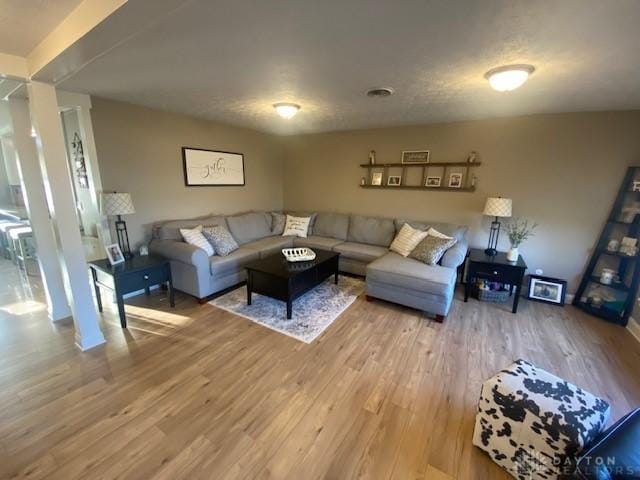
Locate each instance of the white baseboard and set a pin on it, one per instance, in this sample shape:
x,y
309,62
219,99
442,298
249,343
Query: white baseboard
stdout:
x,y
634,327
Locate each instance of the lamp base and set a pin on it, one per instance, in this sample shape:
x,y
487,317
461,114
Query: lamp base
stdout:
x,y
127,255
491,252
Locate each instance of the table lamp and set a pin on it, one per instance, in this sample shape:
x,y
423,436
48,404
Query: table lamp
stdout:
x,y
115,205
496,207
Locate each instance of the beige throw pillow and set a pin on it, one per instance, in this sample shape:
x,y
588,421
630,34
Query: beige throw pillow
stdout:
x,y
194,236
432,248
296,226
435,233
406,240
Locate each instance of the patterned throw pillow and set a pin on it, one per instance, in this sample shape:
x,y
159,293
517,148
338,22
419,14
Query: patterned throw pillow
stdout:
x,y
221,239
406,240
431,249
277,223
296,226
194,236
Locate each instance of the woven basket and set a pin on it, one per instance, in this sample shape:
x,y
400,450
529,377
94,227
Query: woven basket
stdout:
x,y
495,296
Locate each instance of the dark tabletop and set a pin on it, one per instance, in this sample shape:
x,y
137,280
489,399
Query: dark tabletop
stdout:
x,y
277,264
478,255
138,262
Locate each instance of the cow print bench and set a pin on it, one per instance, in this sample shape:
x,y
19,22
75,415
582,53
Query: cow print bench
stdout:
x,y
534,424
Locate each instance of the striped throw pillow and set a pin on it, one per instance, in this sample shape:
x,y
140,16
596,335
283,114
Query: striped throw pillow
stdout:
x,y
406,240
194,236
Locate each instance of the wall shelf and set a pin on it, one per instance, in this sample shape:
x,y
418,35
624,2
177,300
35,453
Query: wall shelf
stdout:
x,y
420,187
461,168
421,165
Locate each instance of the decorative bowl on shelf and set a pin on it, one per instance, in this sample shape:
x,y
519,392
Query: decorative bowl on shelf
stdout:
x,y
299,254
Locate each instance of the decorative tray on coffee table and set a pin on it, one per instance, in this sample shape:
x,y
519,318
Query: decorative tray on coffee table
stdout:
x,y
299,254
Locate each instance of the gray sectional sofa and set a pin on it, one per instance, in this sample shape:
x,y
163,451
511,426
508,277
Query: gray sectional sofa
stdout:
x,y
363,243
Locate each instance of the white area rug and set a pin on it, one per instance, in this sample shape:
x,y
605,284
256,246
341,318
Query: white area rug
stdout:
x,y
312,313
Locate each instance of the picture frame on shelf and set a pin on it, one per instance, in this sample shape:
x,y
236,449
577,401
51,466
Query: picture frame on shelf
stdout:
x,y
547,289
394,180
376,179
114,254
416,156
433,181
455,180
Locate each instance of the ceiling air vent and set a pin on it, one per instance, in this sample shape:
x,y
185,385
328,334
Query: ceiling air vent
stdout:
x,y
380,92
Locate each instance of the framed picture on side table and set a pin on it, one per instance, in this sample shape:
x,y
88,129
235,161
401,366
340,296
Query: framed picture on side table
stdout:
x,y
114,254
547,289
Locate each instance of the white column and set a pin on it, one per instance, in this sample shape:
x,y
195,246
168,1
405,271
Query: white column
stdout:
x,y
57,183
35,199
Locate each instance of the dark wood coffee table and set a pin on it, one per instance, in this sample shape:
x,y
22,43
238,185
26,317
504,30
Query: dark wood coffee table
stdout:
x,y
274,277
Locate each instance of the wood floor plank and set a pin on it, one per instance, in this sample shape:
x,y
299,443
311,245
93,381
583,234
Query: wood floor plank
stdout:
x,y
197,392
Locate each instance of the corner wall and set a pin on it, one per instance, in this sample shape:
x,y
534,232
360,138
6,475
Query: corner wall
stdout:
x,y
562,171
139,151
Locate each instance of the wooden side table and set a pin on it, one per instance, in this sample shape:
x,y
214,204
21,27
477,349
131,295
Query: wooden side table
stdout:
x,y
496,269
139,273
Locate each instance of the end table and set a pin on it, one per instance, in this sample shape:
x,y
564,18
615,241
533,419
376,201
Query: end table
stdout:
x,y
496,269
138,273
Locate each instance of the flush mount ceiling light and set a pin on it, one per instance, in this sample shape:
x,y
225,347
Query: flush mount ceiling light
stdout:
x,y
509,77
380,92
286,110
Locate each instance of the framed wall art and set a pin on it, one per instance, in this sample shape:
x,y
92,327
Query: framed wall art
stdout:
x,y
212,168
415,156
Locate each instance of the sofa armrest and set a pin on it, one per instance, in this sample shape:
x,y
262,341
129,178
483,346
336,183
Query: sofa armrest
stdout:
x,y
454,257
180,252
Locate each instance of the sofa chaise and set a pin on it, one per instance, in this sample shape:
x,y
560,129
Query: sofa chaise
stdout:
x,y
363,243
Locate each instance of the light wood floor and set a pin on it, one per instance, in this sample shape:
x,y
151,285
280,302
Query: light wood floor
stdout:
x,y
195,392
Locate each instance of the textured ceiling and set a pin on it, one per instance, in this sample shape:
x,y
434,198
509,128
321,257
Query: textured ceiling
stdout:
x,y
230,60
25,23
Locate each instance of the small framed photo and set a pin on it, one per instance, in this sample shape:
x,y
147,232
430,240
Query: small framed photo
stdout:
x,y
547,289
114,254
376,178
394,180
415,156
455,180
433,181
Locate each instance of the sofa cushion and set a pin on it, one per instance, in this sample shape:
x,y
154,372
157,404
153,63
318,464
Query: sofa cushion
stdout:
x,y
394,269
371,230
332,225
360,251
270,245
196,238
278,220
431,249
296,226
312,220
171,230
449,229
248,227
221,240
407,239
233,262
314,241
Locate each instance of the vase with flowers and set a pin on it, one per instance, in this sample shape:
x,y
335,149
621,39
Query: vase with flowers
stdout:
x,y
518,231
